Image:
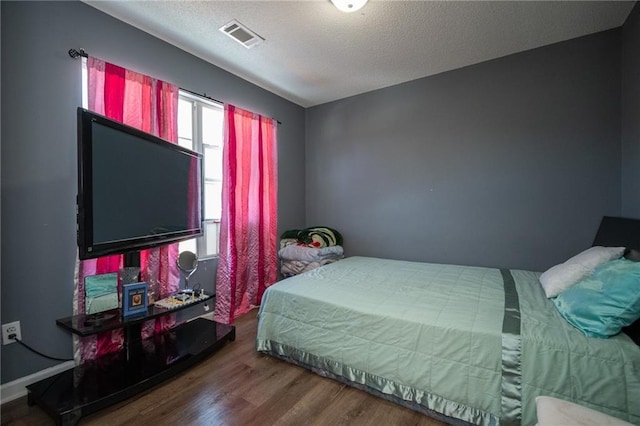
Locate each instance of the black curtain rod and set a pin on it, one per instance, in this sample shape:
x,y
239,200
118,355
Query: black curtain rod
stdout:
x,y
75,54
204,95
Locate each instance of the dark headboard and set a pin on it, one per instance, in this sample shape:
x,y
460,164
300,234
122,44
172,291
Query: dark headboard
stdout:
x,y
618,232
621,232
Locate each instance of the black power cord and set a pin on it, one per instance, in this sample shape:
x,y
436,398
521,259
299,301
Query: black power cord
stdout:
x,y
12,336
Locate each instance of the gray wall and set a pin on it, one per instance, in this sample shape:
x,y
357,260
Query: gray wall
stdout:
x,y
631,114
41,91
510,162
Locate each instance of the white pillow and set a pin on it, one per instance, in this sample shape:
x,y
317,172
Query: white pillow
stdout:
x,y
596,256
560,277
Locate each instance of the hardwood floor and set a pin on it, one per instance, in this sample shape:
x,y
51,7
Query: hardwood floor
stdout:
x,y
239,386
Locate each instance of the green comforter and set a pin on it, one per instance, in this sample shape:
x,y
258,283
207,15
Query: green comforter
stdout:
x,y
439,336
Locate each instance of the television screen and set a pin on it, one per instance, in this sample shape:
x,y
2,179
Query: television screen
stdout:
x,y
135,190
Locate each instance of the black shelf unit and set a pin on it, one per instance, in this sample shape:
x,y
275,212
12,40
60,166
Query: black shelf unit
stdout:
x,y
138,366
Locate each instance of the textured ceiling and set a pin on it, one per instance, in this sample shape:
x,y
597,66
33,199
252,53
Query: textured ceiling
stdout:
x,y
314,54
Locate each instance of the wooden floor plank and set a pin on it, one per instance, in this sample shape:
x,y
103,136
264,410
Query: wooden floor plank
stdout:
x,y
284,400
239,386
347,408
312,404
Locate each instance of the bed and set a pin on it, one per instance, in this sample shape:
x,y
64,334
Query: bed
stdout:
x,y
463,344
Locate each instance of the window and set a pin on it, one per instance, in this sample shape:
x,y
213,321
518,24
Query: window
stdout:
x,y
200,129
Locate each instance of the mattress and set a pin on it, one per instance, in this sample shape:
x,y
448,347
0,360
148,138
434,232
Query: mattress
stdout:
x,y
475,344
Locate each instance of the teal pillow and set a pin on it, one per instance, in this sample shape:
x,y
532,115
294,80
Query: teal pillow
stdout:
x,y
601,304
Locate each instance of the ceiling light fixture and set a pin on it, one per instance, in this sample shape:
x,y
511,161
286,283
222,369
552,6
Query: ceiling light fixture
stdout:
x,y
349,5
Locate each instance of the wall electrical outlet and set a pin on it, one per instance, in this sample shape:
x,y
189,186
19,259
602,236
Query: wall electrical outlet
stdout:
x,y
10,329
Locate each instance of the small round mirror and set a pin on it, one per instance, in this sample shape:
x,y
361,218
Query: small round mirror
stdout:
x,y
187,263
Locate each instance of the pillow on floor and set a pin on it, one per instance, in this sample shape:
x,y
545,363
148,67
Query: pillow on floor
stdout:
x,y
553,412
560,277
603,303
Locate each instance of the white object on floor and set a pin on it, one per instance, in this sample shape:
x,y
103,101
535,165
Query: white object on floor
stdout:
x,y
556,412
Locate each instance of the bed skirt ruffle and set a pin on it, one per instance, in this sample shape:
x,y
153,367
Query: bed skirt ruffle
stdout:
x,y
431,405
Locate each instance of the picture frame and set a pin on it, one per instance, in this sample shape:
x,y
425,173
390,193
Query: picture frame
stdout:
x,y
100,293
134,299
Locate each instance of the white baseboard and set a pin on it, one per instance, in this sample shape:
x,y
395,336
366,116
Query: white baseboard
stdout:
x,y
17,388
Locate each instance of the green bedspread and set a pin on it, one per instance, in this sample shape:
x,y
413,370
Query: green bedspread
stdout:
x,y
439,336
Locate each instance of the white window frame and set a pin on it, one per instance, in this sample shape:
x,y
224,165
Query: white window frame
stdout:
x,y
199,146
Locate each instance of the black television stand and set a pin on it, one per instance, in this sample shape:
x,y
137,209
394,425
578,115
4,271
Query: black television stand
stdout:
x,y
138,366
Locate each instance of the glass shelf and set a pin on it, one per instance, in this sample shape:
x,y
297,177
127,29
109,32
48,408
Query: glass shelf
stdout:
x,y
97,384
139,365
87,325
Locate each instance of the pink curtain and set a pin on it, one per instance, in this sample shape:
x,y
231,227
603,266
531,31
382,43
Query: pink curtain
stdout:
x,y
247,262
152,106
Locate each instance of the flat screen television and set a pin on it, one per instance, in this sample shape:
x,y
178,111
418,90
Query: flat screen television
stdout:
x,y
135,190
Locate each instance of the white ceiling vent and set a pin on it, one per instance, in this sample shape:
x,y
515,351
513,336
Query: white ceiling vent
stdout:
x,y
241,34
